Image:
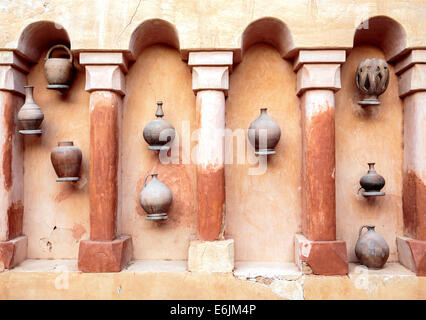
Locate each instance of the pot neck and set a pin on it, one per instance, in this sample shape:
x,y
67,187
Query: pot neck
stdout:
x,y
263,110
29,93
371,167
159,113
65,143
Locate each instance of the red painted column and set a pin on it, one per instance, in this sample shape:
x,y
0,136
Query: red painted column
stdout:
x,y
412,89
210,82
13,244
318,77
106,251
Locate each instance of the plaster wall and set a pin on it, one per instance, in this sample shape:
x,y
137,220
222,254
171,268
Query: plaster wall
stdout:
x,y
372,134
56,214
159,74
263,211
108,24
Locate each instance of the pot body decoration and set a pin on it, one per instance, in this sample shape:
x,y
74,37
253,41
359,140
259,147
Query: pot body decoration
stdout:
x,y
372,182
158,133
372,79
30,115
66,160
155,198
58,71
371,249
264,134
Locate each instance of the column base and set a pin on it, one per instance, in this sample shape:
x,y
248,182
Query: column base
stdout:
x,y
13,252
412,254
211,256
326,258
105,256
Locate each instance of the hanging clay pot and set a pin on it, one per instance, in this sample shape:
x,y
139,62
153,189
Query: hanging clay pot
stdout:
x,y
58,71
262,127
30,115
371,249
372,79
159,132
372,182
155,198
66,160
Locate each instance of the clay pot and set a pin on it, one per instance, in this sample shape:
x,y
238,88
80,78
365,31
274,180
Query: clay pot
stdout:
x,y
372,79
372,182
371,249
159,132
155,198
256,132
58,71
30,115
66,160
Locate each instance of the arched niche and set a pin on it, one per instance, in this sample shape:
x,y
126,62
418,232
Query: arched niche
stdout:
x,y
268,30
39,36
150,32
383,32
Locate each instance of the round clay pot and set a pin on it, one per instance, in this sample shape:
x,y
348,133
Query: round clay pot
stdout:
x,y
159,132
372,79
371,249
58,71
257,130
30,115
372,182
155,198
66,160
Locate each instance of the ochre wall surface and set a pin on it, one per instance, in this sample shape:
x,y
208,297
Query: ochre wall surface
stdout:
x,y
108,24
158,74
263,211
56,214
372,134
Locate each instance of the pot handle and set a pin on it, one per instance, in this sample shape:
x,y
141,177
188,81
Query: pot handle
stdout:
x,y
365,226
144,180
60,46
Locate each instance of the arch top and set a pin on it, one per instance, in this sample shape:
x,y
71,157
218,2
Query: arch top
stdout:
x,y
39,36
268,30
153,31
385,33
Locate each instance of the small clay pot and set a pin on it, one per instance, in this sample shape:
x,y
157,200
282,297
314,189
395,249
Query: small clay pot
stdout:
x,y
372,79
58,71
372,182
159,132
371,249
66,160
258,128
155,198
30,115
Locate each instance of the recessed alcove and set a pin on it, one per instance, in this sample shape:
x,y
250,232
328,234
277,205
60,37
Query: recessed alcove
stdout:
x,y
372,134
56,215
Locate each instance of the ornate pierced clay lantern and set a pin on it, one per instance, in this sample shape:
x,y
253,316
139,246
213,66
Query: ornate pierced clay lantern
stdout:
x,y
66,160
30,115
264,134
372,79
158,133
155,198
372,182
58,71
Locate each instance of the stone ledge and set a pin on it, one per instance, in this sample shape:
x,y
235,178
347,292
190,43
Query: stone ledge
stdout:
x,y
60,279
211,256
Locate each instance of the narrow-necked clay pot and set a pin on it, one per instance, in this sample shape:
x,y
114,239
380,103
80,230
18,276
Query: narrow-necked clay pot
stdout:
x,y
155,198
264,124
30,115
159,132
371,249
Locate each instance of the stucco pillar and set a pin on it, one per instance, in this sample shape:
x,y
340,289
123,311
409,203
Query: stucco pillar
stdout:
x,y
13,244
106,251
210,82
318,78
412,89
